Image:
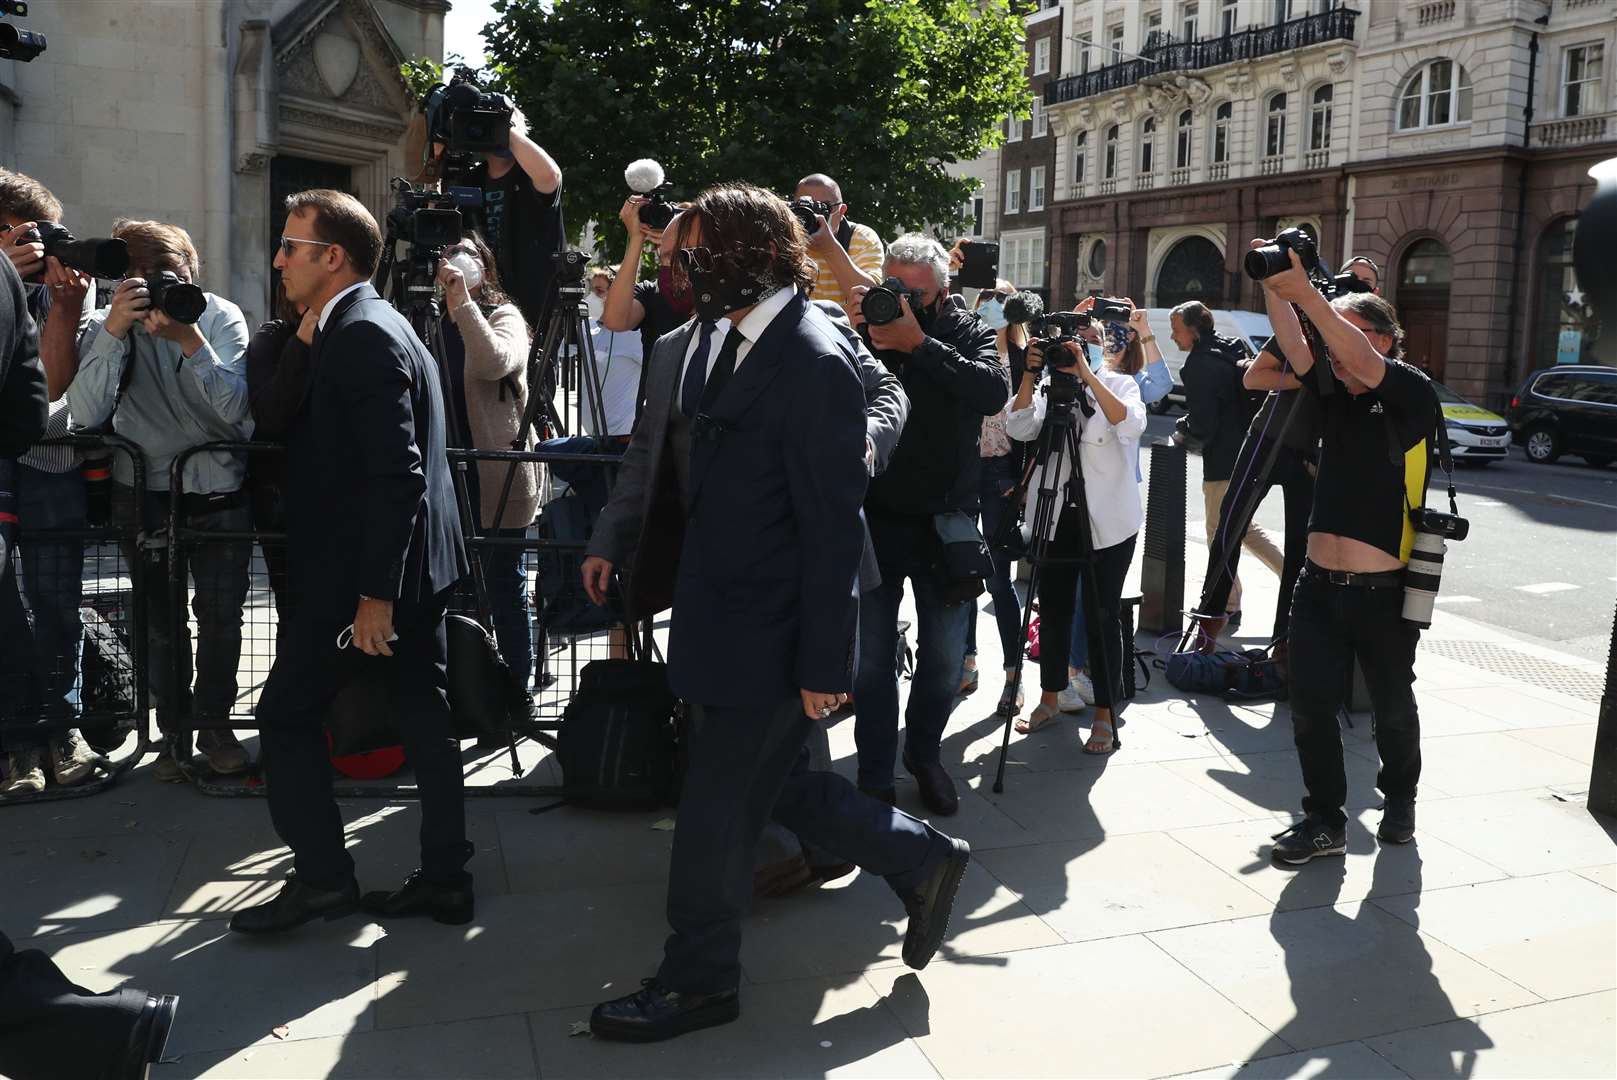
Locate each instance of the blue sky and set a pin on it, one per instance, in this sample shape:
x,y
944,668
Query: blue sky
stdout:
x,y
463,26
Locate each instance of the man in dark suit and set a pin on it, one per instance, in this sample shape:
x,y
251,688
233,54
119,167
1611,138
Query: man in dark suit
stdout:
x,y
745,480
374,547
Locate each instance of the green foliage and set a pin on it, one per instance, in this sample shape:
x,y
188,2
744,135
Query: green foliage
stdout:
x,y
422,74
880,94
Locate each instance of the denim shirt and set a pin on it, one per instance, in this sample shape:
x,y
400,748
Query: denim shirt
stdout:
x,y
170,403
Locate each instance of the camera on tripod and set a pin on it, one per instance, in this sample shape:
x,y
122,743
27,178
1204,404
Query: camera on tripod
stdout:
x,y
15,42
571,266
465,118
97,256
807,211
883,305
428,222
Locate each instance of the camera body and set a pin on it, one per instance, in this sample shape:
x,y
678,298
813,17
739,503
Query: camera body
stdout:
x,y
571,266
1448,526
15,42
180,300
98,256
428,222
882,305
467,119
1108,310
657,211
1058,327
805,209
1272,259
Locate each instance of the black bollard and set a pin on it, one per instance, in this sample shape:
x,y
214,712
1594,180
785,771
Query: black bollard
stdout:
x,y
1162,566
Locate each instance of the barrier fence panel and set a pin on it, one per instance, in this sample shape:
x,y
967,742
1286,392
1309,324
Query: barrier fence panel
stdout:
x,y
73,647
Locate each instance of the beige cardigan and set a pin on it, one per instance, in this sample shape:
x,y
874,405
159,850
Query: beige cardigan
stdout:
x,y
497,347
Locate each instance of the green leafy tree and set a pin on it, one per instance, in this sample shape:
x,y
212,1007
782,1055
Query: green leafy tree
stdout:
x,y
882,95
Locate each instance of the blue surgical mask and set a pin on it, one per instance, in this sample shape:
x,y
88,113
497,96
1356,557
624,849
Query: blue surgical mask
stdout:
x,y
992,313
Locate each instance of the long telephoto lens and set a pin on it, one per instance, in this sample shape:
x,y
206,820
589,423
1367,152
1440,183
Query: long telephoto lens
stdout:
x,y
1423,577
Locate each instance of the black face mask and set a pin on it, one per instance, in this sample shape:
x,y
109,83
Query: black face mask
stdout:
x,y
718,287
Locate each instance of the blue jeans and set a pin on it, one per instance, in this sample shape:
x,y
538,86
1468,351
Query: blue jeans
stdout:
x,y
507,580
51,580
999,477
939,656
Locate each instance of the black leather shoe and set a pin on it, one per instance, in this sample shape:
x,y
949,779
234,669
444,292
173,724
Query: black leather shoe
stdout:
x,y
448,904
148,1037
654,1013
936,786
1397,821
930,905
295,905
887,795
782,878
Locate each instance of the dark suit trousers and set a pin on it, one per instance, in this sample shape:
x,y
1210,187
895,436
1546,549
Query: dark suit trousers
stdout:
x,y
747,764
308,673
52,1029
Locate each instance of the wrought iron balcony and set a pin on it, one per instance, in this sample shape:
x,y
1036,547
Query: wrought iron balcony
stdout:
x,y
1335,25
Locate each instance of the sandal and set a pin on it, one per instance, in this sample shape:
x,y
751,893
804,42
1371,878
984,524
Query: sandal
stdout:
x,y
1010,702
1093,745
1041,715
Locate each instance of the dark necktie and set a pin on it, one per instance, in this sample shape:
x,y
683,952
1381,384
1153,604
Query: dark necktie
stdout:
x,y
690,393
723,368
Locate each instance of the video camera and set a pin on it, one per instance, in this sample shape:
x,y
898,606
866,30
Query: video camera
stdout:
x,y
15,42
807,210
98,256
1271,259
645,177
571,266
428,222
1057,327
465,118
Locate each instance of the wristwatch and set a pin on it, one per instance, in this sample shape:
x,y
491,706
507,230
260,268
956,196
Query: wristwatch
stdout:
x,y
1148,339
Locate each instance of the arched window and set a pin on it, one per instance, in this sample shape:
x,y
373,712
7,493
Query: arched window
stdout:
x,y
1319,118
1080,158
1097,259
1274,127
1193,269
1437,93
1181,146
1148,138
1221,132
1111,154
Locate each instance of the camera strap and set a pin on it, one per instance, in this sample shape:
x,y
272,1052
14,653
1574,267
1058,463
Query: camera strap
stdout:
x,y
1440,442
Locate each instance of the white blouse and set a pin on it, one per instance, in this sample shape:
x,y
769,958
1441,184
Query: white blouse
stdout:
x,y
1110,455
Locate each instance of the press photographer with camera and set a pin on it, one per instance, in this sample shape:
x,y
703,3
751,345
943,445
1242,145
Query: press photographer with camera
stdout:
x,y
651,307
1378,415
166,361
920,512
846,254
1110,420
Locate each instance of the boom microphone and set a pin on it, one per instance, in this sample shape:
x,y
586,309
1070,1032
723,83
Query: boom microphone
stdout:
x,y
1024,307
644,176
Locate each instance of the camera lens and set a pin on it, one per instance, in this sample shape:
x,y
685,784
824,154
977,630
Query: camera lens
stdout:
x,y
656,214
805,217
881,306
1265,262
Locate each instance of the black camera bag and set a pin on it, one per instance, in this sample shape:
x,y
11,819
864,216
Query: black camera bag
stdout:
x,y
482,689
617,742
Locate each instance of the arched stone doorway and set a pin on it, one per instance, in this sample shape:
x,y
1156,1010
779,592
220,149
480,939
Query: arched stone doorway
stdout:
x,y
1192,270
1424,275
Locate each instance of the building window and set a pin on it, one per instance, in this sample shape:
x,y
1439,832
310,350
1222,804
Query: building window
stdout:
x,y
1227,21
1110,172
1041,56
1013,129
1153,29
1021,259
1221,132
1559,329
1319,118
1086,45
1097,259
1437,94
1148,138
1035,189
1181,146
1187,22
1114,37
1274,128
1041,121
976,214
1581,68
1282,9
1080,158
1013,191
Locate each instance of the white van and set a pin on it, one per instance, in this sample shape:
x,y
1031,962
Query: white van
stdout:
x,y
1251,328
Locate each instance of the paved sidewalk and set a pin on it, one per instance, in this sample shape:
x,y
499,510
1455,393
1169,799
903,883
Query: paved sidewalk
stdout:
x,y
1121,917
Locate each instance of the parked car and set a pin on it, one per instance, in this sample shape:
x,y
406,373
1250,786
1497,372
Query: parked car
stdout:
x,y
1570,408
1475,434
1251,328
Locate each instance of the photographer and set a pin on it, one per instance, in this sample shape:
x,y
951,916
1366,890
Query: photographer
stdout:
x,y
846,254
168,386
949,366
1217,412
652,307
1110,419
49,487
1378,414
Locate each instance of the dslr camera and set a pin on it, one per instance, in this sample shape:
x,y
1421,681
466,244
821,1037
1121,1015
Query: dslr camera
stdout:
x,y
882,304
180,300
805,209
98,256
468,120
1272,259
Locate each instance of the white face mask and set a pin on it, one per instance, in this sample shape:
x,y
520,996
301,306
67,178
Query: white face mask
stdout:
x,y
469,269
595,305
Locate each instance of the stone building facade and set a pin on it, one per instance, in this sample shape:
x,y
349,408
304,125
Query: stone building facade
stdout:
x,y
207,113
1027,161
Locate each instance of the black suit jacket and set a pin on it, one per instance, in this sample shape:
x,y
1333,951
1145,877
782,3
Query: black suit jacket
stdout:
x,y
23,401
371,506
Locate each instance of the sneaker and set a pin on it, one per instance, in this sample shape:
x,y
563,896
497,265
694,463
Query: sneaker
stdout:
x,y
1071,700
168,769
72,760
1309,839
23,774
1397,821
224,753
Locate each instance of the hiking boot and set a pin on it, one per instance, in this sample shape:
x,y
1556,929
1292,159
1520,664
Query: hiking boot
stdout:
x,y
225,754
1309,839
72,760
23,774
1397,821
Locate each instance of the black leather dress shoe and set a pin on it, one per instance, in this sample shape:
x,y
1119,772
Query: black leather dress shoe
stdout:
x,y
936,788
449,904
930,905
782,878
654,1013
888,795
295,905
148,1037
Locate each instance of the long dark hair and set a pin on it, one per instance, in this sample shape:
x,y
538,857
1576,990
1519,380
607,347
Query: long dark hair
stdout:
x,y
492,295
754,229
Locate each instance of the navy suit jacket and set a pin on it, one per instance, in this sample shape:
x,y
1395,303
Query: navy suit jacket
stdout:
x,y
370,502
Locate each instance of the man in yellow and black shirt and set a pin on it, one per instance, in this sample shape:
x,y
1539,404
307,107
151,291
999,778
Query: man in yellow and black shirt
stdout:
x,y
845,254
1377,417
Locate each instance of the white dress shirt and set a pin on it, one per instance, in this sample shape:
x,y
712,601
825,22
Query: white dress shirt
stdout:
x,y
325,312
1110,455
752,328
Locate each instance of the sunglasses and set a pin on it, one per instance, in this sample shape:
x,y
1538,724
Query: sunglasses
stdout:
x,y
287,243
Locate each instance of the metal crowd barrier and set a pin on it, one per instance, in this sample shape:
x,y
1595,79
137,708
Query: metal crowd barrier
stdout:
x,y
94,676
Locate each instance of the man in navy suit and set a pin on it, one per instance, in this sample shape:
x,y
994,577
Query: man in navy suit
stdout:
x,y
745,479
374,547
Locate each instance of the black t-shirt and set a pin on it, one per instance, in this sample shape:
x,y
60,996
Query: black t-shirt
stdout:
x,y
524,227
1302,433
1363,492
660,316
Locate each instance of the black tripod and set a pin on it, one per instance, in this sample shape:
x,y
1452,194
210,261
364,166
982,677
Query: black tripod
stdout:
x,y
1058,441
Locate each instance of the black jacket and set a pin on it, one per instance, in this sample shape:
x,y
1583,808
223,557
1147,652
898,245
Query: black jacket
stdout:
x,y
953,380
370,505
1215,403
24,403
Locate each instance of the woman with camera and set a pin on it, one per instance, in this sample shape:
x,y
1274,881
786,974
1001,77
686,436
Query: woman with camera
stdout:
x,y
486,350
1108,419
1002,468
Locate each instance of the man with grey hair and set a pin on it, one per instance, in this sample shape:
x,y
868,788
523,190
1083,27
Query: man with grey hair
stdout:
x,y
948,363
